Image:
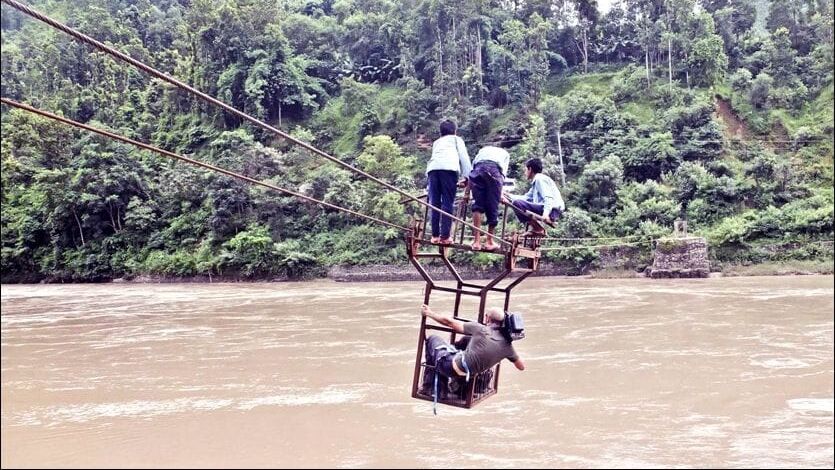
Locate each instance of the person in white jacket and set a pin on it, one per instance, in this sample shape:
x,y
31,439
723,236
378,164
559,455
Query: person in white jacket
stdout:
x,y
486,182
449,162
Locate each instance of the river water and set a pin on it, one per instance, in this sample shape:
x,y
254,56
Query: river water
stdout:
x,y
729,372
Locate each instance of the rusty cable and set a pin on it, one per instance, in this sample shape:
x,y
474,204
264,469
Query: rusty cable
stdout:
x,y
191,161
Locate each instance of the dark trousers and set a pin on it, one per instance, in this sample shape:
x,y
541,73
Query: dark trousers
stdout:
x,y
442,186
486,182
440,358
521,205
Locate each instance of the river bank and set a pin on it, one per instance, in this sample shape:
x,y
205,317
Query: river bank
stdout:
x,y
370,273
399,272
392,273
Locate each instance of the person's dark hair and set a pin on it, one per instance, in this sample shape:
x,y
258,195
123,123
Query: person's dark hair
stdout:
x,y
447,128
535,165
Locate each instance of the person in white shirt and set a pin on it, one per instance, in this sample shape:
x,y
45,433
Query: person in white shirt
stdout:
x,y
449,160
543,198
486,182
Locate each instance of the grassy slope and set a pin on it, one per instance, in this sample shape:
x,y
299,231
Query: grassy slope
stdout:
x,y
817,113
601,84
343,124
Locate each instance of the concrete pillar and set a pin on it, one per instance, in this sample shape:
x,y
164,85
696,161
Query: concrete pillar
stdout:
x,y
680,257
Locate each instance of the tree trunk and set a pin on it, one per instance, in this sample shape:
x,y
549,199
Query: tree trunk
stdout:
x,y
582,53
686,71
112,219
652,63
670,60
279,114
192,72
80,230
646,64
480,71
559,151
456,62
585,51
440,62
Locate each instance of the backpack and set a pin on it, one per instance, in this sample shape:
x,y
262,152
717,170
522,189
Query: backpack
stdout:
x,y
513,327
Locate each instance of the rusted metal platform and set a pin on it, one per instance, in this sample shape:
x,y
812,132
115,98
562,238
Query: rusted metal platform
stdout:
x,y
521,259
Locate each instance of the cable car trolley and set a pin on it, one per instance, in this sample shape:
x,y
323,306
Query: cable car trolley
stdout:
x,y
521,256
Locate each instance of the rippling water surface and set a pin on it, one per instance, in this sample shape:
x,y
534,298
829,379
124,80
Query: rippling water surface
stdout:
x,y
734,372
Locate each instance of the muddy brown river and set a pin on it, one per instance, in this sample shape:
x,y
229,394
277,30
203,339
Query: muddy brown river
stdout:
x,y
728,372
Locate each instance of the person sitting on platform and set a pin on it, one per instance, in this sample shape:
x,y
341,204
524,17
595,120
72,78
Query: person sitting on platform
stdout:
x,y
486,182
542,199
449,160
486,348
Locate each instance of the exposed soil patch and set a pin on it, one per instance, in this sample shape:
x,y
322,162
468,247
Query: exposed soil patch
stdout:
x,y
734,127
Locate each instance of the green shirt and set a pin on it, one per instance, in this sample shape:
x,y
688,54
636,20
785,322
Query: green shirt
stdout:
x,y
487,348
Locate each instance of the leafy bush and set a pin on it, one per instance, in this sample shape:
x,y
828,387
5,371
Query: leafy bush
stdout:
x,y
812,215
704,197
575,223
696,134
797,220
358,245
741,80
598,185
251,252
791,96
295,262
580,258
178,263
760,90
476,123
645,202
629,83
771,177
650,157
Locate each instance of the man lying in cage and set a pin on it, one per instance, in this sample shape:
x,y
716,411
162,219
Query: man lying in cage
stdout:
x,y
487,345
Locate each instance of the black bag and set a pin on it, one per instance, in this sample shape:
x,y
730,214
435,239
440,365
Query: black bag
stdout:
x,y
513,326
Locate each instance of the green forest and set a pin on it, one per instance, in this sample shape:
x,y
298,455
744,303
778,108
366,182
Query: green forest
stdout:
x,y
716,111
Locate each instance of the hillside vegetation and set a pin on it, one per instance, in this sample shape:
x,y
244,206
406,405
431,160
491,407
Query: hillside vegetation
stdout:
x,y
658,110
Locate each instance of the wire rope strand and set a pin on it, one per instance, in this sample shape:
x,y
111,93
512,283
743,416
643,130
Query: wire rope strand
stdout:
x,y
192,161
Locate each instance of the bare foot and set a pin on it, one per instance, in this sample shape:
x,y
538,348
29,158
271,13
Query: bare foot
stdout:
x,y
435,239
489,246
445,241
476,245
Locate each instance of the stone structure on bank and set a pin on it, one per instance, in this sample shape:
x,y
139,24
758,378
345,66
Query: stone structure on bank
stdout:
x,y
680,257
